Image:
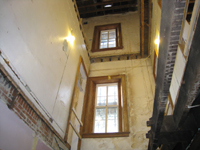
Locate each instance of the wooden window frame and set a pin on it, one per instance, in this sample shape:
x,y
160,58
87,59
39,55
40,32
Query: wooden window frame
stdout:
x,y
118,106
89,108
97,34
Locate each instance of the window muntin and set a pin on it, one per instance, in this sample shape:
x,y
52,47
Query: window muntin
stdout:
x,y
108,39
106,108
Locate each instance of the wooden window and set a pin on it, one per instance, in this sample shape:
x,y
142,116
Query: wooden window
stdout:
x,y
107,37
106,108
95,109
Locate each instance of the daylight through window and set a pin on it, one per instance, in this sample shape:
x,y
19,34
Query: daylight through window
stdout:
x,y
108,38
106,112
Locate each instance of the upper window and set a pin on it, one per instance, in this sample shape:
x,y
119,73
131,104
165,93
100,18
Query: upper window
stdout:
x,y
107,37
106,110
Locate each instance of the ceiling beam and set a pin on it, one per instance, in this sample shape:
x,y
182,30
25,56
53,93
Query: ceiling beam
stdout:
x,y
106,9
192,1
103,3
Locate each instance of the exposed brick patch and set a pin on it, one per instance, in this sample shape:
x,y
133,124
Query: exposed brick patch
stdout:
x,y
8,94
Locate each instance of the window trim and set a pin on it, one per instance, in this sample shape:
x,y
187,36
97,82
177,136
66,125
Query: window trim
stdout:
x,y
89,107
97,34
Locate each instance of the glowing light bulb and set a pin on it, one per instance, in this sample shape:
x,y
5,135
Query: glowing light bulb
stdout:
x,y
157,41
108,6
70,39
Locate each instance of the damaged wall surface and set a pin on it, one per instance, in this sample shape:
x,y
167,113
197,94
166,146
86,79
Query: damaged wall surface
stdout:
x,y
140,92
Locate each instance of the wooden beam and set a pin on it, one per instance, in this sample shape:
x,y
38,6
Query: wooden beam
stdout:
x,y
192,1
166,62
77,117
142,27
106,9
149,38
105,135
75,130
103,3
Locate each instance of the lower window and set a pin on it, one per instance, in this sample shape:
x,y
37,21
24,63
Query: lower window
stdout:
x,y
106,108
105,112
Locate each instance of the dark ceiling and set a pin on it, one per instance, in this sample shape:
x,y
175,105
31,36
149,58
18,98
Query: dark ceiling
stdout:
x,y
92,8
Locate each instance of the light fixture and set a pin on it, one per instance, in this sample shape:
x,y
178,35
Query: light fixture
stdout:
x,y
109,5
157,41
70,38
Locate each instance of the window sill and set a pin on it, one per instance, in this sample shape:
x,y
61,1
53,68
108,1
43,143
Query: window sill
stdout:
x,y
106,49
105,135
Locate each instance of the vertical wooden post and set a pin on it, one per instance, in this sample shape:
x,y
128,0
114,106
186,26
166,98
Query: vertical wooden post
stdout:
x,y
149,38
142,28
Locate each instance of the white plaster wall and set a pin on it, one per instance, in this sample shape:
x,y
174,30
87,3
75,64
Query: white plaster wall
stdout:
x,y
140,94
130,28
31,38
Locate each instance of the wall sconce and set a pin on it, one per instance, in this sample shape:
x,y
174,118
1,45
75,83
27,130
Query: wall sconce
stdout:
x,y
70,38
157,42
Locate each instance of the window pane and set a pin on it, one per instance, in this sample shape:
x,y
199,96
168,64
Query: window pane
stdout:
x,y
101,91
100,120
112,43
104,35
112,34
113,100
112,120
101,101
104,44
112,90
